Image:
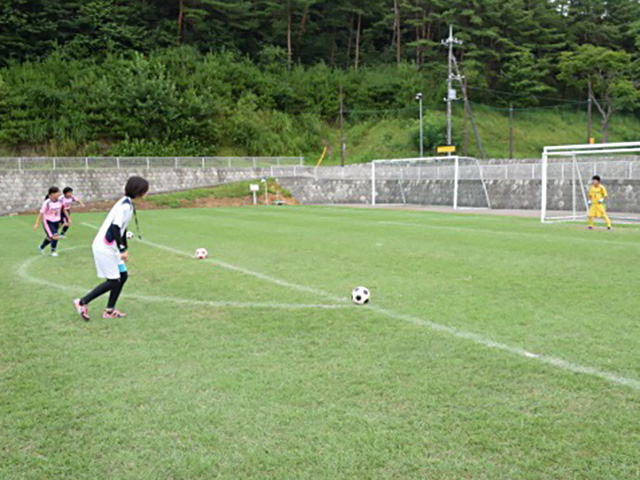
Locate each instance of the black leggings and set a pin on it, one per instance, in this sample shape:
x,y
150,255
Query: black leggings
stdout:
x,y
112,286
66,217
51,230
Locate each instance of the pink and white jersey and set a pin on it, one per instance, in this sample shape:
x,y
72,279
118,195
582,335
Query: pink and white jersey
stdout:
x,y
120,216
51,210
68,201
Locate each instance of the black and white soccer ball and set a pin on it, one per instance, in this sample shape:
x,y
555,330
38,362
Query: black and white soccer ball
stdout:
x,y
129,235
360,295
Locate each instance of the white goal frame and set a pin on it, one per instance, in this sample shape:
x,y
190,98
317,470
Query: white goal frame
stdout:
x,y
452,159
571,152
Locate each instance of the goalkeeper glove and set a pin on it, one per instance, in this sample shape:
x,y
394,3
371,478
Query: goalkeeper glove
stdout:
x,y
589,202
601,200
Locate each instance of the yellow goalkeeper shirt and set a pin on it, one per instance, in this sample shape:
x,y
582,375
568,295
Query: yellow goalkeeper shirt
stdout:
x,y
597,193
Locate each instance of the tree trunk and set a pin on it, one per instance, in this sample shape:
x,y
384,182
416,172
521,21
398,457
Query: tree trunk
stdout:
x,y
605,127
423,35
332,59
427,34
180,22
348,62
396,10
606,110
289,44
357,62
303,21
418,45
393,35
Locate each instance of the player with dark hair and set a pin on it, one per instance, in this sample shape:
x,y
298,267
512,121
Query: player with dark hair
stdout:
x,y
67,200
110,251
597,197
51,215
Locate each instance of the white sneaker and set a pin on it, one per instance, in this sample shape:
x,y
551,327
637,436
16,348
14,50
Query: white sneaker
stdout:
x,y
54,254
40,250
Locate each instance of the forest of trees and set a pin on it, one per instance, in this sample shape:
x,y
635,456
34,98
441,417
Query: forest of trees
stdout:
x,y
196,75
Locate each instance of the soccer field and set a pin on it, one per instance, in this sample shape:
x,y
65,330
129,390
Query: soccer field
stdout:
x,y
493,347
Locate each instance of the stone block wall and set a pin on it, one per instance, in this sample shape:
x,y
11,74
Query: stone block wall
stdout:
x,y
25,190
503,194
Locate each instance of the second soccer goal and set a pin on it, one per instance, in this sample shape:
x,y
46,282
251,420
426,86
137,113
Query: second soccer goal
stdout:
x,y
451,181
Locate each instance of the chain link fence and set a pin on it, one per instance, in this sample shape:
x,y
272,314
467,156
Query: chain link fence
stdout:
x,y
58,163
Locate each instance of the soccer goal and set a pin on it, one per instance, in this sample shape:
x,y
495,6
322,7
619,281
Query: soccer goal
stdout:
x,y
567,171
449,181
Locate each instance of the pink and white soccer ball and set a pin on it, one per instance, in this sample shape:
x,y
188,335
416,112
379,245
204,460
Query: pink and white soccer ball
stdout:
x,y
201,253
129,235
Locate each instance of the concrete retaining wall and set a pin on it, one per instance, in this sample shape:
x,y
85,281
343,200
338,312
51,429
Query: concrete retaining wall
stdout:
x,y
20,191
503,194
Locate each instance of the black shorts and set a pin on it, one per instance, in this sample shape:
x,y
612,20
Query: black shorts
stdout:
x,y
51,228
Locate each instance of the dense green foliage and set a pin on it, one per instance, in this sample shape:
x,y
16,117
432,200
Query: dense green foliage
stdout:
x,y
261,76
219,371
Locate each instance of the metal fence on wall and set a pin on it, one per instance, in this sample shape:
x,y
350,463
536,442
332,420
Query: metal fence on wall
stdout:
x,y
627,169
56,163
608,168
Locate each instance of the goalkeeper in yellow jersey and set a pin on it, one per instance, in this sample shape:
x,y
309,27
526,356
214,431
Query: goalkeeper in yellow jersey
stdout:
x,y
597,197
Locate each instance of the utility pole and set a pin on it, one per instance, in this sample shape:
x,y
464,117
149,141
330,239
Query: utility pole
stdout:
x,y
419,98
465,122
342,142
589,116
451,93
465,95
511,130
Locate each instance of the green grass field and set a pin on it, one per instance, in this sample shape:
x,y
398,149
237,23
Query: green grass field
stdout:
x,y
494,348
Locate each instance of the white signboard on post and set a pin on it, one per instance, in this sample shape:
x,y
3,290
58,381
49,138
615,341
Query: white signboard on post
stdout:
x,y
254,188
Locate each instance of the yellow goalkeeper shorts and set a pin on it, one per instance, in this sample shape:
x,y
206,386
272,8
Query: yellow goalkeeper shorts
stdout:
x,y
597,210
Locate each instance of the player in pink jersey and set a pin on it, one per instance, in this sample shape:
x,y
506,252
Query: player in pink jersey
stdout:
x,y
51,216
67,200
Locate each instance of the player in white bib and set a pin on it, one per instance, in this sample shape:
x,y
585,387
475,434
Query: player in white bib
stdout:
x,y
110,251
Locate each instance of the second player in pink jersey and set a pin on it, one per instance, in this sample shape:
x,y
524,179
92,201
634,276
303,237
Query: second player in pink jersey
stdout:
x,y
67,199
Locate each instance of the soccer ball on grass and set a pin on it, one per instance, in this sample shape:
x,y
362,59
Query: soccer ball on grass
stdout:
x,y
129,235
360,295
201,253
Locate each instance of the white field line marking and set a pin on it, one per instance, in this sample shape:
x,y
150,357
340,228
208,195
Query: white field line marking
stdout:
x,y
507,233
473,337
245,271
23,272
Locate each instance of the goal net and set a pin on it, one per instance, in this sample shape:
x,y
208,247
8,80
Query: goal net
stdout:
x,y
566,178
449,181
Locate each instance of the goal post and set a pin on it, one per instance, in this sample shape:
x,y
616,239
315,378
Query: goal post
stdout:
x,y
453,181
566,174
